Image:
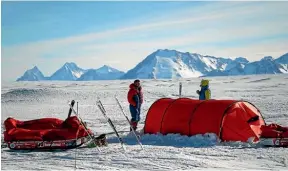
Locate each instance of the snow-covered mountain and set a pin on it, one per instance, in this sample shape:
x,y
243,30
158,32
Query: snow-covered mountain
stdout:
x,y
167,64
175,64
71,72
68,72
238,69
161,64
103,73
33,74
283,61
266,65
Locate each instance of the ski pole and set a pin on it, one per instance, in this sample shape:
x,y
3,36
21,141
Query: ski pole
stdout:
x,y
129,122
102,109
75,164
85,128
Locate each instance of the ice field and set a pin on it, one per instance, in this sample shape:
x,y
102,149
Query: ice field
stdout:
x,y
33,100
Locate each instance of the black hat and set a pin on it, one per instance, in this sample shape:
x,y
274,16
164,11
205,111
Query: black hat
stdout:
x,y
135,81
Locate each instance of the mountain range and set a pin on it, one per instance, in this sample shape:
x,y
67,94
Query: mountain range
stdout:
x,y
167,64
71,72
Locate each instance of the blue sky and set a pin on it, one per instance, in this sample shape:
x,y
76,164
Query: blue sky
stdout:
x,y
121,34
33,21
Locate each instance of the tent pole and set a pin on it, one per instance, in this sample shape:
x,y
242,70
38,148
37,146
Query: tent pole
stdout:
x,y
75,166
180,89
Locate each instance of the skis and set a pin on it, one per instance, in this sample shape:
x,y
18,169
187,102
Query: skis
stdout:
x,y
103,111
70,110
129,123
81,122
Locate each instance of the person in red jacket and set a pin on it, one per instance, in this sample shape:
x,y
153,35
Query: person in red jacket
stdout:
x,y
135,99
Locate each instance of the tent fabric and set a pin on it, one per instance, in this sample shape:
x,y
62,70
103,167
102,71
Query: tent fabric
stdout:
x,y
44,129
231,120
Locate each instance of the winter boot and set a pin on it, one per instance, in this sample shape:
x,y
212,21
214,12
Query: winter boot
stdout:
x,y
134,125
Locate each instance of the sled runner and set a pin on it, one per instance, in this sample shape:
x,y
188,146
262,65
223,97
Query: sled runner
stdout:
x,y
48,145
274,135
274,142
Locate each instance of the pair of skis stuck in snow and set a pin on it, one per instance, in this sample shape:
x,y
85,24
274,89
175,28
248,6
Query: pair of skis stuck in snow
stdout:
x,y
103,111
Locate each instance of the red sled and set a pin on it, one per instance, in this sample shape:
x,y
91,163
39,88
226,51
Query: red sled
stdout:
x,y
45,133
274,135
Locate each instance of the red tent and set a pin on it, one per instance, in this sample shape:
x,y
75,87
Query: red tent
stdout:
x,y
231,120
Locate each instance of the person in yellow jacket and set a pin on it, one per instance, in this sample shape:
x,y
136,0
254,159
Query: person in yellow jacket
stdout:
x,y
204,93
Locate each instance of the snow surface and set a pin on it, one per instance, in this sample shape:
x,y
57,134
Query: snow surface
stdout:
x,y
33,100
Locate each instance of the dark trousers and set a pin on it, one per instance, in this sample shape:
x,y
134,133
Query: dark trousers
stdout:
x,y
135,113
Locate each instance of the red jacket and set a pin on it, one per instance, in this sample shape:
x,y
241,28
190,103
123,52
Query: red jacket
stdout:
x,y
132,92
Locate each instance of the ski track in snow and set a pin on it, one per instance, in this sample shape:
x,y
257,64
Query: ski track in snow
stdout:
x,y
33,100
